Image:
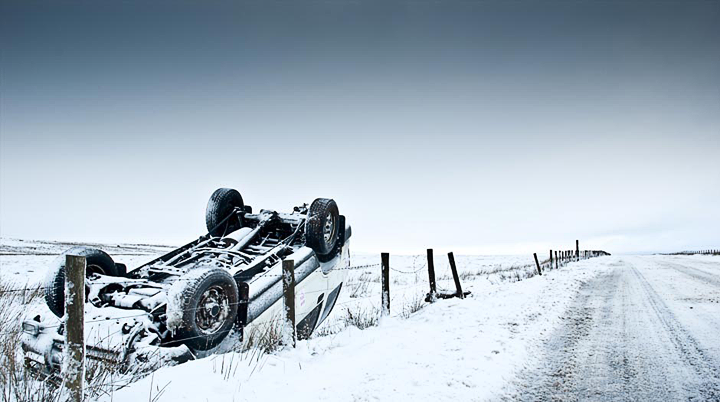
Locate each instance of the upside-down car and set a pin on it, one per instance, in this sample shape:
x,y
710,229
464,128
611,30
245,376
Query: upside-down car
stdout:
x,y
193,300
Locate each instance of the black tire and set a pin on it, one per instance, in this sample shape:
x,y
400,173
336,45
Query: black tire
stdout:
x,y
221,204
191,307
322,230
98,262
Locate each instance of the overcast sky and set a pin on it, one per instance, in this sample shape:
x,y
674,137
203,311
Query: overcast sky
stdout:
x,y
473,126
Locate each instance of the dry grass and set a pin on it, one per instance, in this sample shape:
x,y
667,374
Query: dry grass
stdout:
x,y
497,273
361,317
265,337
15,378
18,382
414,305
361,287
259,340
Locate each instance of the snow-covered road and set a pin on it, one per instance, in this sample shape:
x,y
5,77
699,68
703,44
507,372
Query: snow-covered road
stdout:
x,y
649,329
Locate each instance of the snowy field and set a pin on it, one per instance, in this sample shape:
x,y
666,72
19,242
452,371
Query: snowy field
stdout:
x,y
479,348
366,358
26,261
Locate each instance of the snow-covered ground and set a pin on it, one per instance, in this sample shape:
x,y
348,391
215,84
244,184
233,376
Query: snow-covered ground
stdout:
x,y
472,349
648,329
450,350
26,261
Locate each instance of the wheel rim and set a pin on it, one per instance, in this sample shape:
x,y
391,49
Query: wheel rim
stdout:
x,y
329,229
212,311
94,269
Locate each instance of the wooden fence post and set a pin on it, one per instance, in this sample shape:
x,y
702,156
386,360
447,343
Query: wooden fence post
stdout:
x,y
551,264
385,263
577,250
288,268
537,264
556,260
456,277
74,362
431,275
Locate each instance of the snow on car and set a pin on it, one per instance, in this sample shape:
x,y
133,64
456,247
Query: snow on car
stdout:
x,y
194,300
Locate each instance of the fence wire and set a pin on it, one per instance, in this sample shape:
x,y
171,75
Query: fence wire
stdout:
x,y
561,262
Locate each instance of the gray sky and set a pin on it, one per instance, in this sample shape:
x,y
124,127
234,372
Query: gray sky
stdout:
x,y
473,126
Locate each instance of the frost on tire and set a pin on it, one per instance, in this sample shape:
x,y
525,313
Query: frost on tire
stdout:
x,y
202,307
98,262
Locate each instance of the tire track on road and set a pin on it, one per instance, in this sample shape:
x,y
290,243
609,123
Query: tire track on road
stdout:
x,y
688,348
620,341
697,274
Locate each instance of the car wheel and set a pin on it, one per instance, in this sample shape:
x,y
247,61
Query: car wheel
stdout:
x,y
202,307
98,262
322,229
221,204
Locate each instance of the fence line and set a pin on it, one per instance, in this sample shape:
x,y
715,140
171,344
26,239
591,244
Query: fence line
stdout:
x,y
561,259
700,252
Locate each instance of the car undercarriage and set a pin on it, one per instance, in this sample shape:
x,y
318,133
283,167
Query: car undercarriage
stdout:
x,y
189,302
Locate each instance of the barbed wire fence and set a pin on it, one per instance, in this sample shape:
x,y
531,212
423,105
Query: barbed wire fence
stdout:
x,y
565,257
699,252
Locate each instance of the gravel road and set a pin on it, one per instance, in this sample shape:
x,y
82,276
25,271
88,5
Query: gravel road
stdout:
x,y
647,330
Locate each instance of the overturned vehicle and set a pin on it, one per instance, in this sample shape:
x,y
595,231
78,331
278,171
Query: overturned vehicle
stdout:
x,y
202,297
